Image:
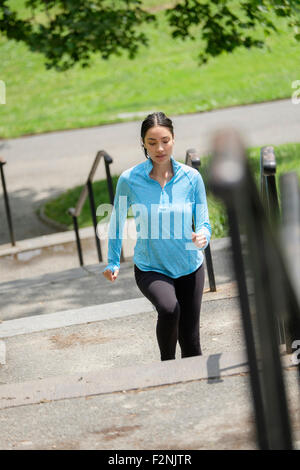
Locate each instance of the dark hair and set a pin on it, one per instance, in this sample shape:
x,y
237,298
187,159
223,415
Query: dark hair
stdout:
x,y
155,119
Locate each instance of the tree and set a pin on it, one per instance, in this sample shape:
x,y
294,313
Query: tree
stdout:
x,y
69,31
225,25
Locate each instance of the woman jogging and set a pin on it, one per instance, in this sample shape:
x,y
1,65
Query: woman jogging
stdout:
x,y
167,197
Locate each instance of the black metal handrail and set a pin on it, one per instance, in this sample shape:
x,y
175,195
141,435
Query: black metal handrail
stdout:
x,y
274,294
87,191
268,182
6,202
269,198
192,158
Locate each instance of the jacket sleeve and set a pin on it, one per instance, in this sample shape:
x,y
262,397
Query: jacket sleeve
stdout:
x,y
200,210
116,224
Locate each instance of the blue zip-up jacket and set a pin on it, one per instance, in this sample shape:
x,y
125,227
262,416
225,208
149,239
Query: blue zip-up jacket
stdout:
x,y
163,219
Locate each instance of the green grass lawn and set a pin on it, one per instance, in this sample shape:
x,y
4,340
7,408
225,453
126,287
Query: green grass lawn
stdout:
x,y
163,77
287,158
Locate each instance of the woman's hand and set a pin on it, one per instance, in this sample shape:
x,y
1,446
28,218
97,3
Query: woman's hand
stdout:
x,y
199,239
111,276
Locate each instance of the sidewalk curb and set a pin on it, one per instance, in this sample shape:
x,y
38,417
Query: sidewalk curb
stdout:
x,y
52,223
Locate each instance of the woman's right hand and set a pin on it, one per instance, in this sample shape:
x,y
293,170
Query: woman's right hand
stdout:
x,y
111,276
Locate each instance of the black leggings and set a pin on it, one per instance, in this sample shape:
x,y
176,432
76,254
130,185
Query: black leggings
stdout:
x,y
178,304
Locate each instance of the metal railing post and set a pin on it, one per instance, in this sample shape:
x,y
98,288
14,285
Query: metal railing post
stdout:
x,y
268,182
107,162
192,158
6,202
94,219
71,211
270,200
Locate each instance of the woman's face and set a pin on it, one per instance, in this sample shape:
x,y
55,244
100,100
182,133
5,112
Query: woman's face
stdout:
x,y
159,143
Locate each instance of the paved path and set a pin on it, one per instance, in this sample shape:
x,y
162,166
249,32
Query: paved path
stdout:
x,y
42,166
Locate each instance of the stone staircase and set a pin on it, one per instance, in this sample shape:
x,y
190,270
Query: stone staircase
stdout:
x,y
81,367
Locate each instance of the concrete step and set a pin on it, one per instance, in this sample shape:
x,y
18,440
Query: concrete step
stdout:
x,y
110,335
110,380
213,368
189,415
89,412
84,286
75,288
123,409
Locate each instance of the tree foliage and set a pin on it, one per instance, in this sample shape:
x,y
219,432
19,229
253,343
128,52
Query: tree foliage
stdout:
x,y
69,31
225,25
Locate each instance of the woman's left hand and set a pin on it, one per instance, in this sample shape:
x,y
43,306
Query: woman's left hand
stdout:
x,y
199,239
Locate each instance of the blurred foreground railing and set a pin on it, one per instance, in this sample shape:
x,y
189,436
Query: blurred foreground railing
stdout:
x,y
274,291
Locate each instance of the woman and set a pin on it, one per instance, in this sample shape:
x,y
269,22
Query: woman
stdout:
x,y
166,197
